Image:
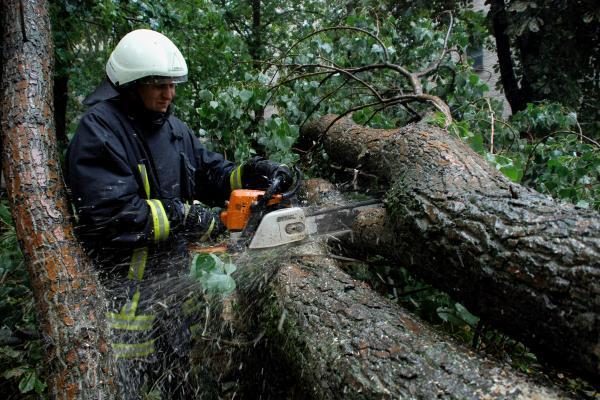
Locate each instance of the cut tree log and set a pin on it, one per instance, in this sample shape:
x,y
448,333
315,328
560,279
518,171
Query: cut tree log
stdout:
x,y
68,297
299,327
523,262
342,340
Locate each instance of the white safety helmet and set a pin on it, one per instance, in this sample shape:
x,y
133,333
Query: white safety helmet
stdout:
x,y
145,56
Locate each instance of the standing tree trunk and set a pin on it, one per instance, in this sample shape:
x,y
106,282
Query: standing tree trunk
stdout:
x,y
68,298
523,262
514,94
255,42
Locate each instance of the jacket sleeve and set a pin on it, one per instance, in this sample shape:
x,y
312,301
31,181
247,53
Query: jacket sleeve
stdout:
x,y
104,188
213,174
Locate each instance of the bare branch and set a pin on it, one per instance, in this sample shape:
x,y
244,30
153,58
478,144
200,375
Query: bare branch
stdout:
x,y
328,69
322,99
413,78
436,65
332,70
492,125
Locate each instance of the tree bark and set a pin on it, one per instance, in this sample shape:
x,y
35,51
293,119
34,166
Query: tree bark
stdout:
x,y
523,262
68,298
341,340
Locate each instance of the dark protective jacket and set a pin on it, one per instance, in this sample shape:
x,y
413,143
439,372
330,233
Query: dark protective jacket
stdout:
x,y
122,165
126,168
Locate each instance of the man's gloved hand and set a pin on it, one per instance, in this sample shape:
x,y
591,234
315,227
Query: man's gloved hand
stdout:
x,y
258,173
202,222
194,220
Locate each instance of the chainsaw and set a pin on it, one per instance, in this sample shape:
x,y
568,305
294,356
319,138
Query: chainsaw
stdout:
x,y
262,219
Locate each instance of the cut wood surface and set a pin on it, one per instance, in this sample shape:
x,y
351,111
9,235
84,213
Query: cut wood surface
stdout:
x,y
523,262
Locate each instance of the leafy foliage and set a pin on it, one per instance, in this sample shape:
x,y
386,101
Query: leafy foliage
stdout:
x,y
213,274
225,97
20,356
555,51
563,162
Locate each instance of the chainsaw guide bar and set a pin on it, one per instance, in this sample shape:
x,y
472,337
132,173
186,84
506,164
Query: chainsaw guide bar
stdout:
x,y
293,224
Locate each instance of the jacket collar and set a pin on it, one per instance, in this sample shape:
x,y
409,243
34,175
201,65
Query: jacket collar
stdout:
x,y
174,132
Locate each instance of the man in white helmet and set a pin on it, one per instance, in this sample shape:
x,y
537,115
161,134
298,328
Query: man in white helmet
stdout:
x,y
136,173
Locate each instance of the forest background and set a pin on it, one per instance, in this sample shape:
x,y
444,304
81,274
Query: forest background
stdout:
x,y
253,84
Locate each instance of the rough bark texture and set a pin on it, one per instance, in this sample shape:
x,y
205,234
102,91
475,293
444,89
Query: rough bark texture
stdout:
x,y
67,294
342,340
523,262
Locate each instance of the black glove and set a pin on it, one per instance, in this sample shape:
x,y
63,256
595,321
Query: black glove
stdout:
x,y
258,173
202,222
193,220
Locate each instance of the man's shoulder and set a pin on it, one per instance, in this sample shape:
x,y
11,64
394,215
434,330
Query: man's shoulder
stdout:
x,y
104,120
104,108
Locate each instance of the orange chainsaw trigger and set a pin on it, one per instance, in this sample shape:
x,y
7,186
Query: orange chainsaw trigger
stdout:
x,y
239,207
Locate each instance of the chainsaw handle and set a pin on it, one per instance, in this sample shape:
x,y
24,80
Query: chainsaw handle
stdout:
x,y
295,186
274,189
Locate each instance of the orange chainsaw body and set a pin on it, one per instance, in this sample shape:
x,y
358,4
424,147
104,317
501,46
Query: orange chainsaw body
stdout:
x,y
239,207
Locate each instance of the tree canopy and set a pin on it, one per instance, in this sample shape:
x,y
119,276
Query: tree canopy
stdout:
x,y
297,61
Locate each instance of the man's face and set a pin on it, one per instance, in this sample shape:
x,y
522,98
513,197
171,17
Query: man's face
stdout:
x,y
157,97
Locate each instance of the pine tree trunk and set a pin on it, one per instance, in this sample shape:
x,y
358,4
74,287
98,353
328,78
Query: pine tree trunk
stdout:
x,y
521,261
68,298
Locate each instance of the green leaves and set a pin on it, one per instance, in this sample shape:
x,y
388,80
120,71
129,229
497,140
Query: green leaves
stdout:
x,y
511,168
277,136
213,274
27,377
457,315
30,381
520,6
567,168
564,163
555,49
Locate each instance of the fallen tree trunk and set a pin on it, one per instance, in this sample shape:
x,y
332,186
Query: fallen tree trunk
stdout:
x,y
69,300
340,339
521,261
